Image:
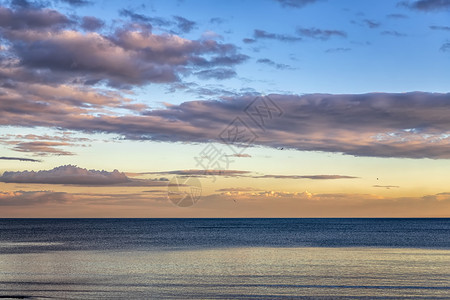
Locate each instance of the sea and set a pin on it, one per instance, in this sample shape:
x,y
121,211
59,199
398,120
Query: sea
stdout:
x,y
225,258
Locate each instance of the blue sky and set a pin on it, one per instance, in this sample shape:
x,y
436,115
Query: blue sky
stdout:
x,y
359,125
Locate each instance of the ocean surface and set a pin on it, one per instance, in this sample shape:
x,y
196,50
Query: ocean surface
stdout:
x,y
224,258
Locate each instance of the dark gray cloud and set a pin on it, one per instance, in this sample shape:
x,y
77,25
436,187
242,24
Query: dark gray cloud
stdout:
x,y
20,159
26,4
295,3
140,18
445,47
92,23
321,34
177,23
249,41
262,34
23,19
371,24
184,25
271,63
397,16
426,5
77,2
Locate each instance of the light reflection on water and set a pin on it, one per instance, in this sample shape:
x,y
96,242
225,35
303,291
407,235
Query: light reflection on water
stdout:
x,y
228,273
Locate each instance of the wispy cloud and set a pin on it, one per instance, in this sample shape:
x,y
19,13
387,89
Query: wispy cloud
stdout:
x,y
313,177
334,50
397,16
393,33
271,63
386,186
43,148
321,34
43,145
218,73
19,159
445,47
426,5
239,189
371,23
262,34
202,173
240,155
295,3
25,198
444,28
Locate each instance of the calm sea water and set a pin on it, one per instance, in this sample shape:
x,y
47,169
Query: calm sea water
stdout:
x,y
225,258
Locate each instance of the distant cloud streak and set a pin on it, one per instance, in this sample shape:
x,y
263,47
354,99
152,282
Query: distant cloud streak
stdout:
x,y
20,159
426,5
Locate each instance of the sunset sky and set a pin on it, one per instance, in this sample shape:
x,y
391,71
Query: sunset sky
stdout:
x,y
280,108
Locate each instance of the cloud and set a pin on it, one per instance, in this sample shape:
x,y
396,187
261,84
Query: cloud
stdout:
x,y
271,63
19,159
295,3
43,145
386,186
26,19
313,177
397,16
202,172
136,17
445,28
239,189
239,155
218,73
371,24
42,148
334,50
216,20
393,33
67,174
184,25
321,34
262,34
413,125
445,47
271,203
249,41
46,48
25,198
92,23
77,2
178,23
426,5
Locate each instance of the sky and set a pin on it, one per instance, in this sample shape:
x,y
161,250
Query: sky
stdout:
x,y
271,108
